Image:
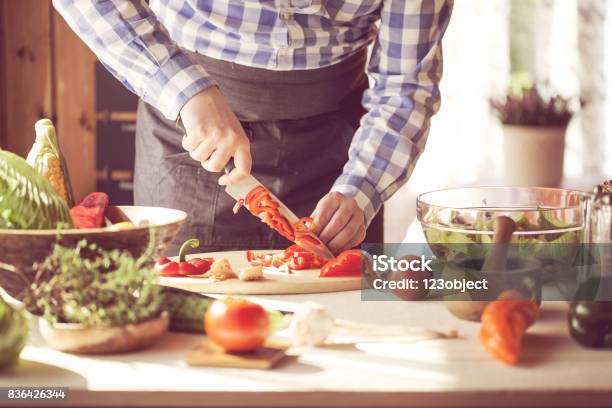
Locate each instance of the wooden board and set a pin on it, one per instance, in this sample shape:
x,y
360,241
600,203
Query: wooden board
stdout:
x,y
275,283
211,355
75,105
27,73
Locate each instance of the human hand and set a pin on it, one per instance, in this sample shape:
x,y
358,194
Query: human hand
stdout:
x,y
214,135
340,222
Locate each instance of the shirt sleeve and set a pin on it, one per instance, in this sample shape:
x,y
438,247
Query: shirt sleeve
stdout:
x,y
406,66
129,40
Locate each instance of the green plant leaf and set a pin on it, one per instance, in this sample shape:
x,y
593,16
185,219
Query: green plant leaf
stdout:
x,y
27,200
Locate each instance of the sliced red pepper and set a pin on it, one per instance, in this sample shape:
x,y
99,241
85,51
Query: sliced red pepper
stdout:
x,y
260,203
348,263
306,239
260,258
305,225
295,257
249,197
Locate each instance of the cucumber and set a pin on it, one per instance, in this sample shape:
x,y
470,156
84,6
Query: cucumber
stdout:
x,y
186,309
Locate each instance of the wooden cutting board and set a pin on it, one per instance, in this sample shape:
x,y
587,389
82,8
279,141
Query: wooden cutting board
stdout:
x,y
211,355
275,283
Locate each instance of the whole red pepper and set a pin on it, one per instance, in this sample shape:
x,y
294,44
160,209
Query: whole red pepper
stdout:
x,y
89,213
194,266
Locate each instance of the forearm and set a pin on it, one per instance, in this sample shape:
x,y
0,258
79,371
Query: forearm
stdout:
x,y
127,38
399,105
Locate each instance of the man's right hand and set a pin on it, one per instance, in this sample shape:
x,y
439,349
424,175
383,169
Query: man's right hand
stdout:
x,y
214,135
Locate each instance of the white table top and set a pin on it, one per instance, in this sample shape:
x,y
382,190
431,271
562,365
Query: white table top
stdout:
x,y
555,371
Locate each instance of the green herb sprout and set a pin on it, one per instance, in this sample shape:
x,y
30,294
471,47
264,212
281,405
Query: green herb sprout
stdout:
x,y
88,285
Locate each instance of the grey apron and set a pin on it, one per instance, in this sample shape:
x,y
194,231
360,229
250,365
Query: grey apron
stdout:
x,y
300,125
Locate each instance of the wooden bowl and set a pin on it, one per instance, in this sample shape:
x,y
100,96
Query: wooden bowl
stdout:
x,y
21,248
81,339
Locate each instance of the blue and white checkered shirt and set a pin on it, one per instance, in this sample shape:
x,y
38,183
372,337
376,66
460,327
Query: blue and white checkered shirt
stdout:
x,y
141,44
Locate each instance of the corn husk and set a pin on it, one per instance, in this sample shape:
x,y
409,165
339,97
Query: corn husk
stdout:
x,y
46,157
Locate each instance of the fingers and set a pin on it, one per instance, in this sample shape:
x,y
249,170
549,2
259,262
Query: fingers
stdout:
x,y
214,134
325,209
340,222
350,236
218,159
203,152
192,140
214,152
242,163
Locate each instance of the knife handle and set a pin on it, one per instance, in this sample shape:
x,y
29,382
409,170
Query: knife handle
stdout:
x,y
229,166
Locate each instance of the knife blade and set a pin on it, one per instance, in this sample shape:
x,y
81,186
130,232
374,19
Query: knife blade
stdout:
x,y
239,190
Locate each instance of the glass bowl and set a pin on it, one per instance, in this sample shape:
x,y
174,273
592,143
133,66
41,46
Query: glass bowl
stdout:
x,y
550,229
460,215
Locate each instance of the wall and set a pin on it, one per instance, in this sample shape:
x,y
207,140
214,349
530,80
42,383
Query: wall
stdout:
x,y
45,71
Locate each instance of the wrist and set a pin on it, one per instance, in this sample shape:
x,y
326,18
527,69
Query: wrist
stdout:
x,y
198,102
176,82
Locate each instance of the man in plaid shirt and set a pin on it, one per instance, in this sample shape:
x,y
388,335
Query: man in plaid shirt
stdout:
x,y
291,60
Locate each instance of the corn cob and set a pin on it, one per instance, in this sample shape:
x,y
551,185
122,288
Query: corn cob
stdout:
x,y
46,157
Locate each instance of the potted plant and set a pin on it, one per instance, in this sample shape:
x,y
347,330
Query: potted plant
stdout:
x,y
95,301
534,137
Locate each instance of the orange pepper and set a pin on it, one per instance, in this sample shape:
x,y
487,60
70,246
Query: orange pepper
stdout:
x,y
504,323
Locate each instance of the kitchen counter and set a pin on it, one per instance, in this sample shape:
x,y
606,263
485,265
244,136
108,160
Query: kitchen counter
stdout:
x,y
554,370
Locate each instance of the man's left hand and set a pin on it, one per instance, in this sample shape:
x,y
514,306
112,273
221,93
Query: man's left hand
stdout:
x,y
340,222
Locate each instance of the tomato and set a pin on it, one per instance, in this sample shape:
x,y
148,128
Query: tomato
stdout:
x,y
236,325
418,277
348,263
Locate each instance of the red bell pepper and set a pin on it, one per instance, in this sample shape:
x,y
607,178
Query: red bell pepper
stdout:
x,y
348,263
194,266
89,213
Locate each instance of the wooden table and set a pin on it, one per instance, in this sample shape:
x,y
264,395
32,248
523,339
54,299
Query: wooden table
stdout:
x,y
554,371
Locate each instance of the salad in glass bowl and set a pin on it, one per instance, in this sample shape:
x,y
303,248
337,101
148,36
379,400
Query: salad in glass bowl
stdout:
x,y
460,220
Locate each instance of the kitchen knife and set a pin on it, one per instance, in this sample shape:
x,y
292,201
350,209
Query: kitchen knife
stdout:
x,y
239,190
